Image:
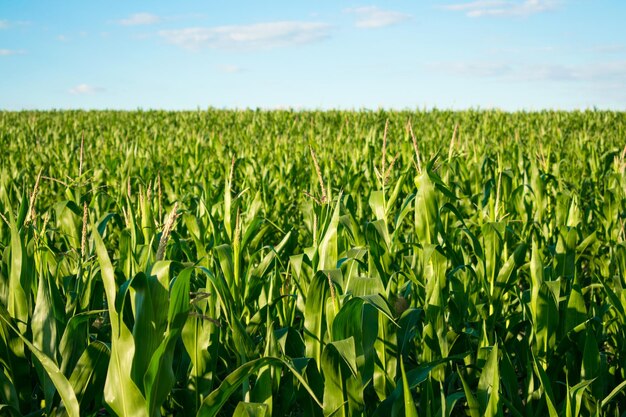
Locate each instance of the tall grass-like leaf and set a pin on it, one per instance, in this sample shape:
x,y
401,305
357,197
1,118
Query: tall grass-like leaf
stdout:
x,y
414,378
251,410
9,395
409,404
619,388
159,378
426,208
343,391
472,402
120,391
547,388
10,410
576,312
591,358
201,340
576,393
19,286
44,328
75,339
62,385
315,317
243,343
506,275
328,244
359,320
89,374
489,385
214,402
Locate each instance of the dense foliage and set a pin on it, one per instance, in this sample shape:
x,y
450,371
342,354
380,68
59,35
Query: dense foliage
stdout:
x,y
312,263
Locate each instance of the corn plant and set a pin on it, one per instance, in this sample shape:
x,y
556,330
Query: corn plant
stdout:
x,y
334,263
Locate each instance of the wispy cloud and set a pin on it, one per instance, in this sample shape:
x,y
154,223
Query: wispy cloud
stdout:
x,y
140,19
229,69
522,51
480,8
254,36
597,72
6,24
85,89
369,17
473,69
602,72
608,49
7,52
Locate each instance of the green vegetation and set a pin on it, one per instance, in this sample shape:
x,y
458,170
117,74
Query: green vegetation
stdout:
x,y
312,263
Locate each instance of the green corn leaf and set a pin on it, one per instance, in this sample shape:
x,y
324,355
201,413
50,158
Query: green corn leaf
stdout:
x,y
547,388
120,391
243,343
75,339
414,377
576,393
9,395
62,385
377,204
619,388
328,244
315,317
10,410
470,398
44,328
489,385
343,391
200,337
214,402
89,374
19,284
251,410
409,405
159,378
576,312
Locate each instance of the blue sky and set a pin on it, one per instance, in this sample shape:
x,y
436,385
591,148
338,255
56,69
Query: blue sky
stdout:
x,y
507,54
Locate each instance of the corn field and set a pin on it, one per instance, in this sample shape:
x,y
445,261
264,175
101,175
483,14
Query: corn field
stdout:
x,y
253,263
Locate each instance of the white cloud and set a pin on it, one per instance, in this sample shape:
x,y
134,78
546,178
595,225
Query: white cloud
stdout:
x,y
5,24
229,69
85,89
473,69
550,72
140,19
7,52
526,50
597,72
608,49
480,8
602,72
254,36
370,17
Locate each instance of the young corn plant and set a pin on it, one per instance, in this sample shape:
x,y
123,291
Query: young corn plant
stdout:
x,y
218,263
